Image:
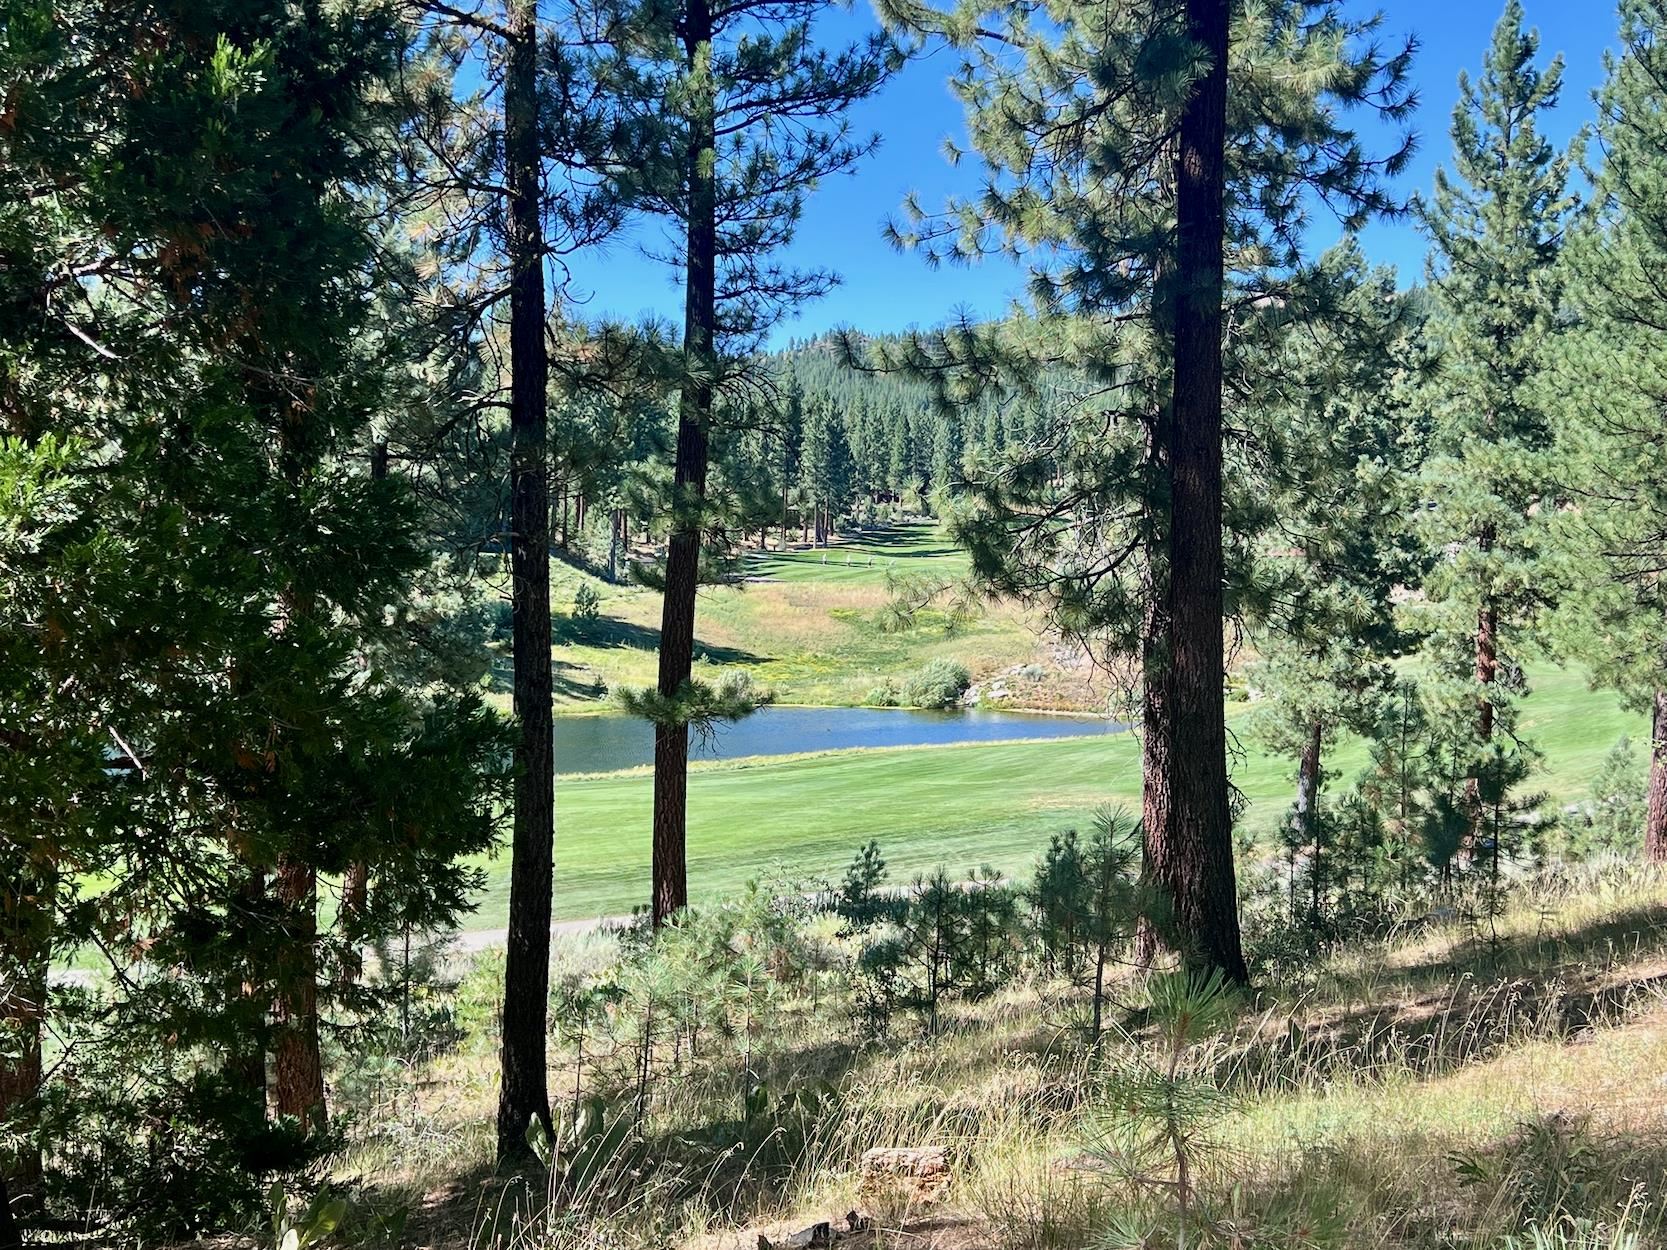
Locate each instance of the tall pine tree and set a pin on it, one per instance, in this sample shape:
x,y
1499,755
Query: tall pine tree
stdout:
x,y
1610,382
738,113
1496,223
1154,163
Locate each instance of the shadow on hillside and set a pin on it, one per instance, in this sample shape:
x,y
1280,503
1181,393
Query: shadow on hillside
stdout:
x,y
1629,934
615,634
574,681
1547,987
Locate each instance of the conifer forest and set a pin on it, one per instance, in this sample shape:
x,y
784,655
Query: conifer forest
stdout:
x,y
921,624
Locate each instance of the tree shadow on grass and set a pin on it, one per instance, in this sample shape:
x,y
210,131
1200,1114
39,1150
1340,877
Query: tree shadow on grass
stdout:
x,y
608,632
1545,987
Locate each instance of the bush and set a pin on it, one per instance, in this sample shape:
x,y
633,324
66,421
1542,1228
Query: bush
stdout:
x,y
939,685
883,695
587,604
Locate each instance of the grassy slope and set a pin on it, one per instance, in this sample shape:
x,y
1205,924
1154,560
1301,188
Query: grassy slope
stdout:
x,y
811,631
1384,1092
961,806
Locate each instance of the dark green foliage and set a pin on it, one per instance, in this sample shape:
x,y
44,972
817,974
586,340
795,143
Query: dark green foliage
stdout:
x,y
184,1153
939,685
862,898
1609,388
587,604
1497,221
1086,900
208,629
1612,819
701,705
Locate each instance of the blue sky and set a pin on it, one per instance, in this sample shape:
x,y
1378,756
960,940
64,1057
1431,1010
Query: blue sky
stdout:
x,y
883,290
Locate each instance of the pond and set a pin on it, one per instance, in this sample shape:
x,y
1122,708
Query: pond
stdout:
x,y
594,744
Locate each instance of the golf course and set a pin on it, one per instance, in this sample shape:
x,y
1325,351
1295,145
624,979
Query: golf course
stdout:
x,y
811,628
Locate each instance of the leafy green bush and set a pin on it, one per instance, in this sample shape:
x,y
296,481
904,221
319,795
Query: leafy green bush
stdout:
x,y
939,685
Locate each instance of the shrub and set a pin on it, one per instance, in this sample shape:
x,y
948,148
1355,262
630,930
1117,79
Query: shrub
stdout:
x,y
939,685
883,695
587,604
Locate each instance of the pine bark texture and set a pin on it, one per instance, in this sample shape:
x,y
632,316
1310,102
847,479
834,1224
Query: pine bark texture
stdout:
x,y
1190,853
524,1092
25,926
1655,812
298,1087
670,892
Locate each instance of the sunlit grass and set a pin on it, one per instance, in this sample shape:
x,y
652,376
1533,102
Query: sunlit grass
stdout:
x,y
1515,1116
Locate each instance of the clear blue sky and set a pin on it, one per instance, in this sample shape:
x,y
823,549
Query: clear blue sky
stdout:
x,y
885,290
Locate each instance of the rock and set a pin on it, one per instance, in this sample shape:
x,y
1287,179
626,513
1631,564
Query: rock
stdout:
x,y
817,1235
919,1173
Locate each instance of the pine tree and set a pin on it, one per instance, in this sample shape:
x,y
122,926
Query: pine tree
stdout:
x,y
1132,166
1340,490
1496,224
827,476
193,433
523,1095
1610,381
736,114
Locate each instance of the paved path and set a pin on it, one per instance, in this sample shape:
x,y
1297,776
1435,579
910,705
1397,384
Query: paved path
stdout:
x,y
469,941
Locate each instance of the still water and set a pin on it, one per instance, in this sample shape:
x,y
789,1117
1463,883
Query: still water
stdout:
x,y
595,744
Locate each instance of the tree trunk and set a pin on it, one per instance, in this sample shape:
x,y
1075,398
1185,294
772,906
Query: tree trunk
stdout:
x,y
1193,860
523,1095
694,416
613,546
299,1066
1655,818
1151,933
11,1237
1307,810
26,913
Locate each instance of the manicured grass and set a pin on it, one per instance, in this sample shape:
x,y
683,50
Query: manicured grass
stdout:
x,y
915,549
961,806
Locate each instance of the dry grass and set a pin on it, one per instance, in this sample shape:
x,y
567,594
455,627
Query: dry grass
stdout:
x,y
1427,1091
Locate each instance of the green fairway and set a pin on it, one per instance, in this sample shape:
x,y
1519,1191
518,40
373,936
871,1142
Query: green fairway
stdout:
x,y
960,806
916,549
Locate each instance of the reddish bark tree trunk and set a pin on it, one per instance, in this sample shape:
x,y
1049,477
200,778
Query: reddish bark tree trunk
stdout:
x,y
1655,818
26,908
299,1067
1150,936
1192,858
694,414
523,1094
